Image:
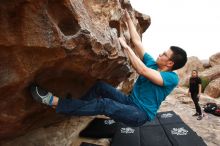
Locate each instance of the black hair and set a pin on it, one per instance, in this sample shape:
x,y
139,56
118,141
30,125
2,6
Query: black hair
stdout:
x,y
195,71
179,57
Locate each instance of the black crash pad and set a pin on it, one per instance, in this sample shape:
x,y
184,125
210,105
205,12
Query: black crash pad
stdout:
x,y
127,136
169,117
181,134
100,128
167,129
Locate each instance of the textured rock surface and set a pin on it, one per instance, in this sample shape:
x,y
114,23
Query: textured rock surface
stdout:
x,y
213,88
214,59
127,85
59,134
63,45
211,73
206,64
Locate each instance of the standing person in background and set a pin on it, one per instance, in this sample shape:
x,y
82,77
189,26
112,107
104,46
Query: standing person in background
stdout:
x,y
195,89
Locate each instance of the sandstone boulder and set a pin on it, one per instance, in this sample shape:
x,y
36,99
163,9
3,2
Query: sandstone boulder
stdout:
x,y
64,46
127,85
206,64
211,73
214,59
213,88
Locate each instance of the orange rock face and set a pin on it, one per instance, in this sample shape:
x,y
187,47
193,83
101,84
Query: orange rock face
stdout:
x,y
63,45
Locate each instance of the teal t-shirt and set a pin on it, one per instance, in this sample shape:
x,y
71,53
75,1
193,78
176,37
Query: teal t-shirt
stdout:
x,y
146,94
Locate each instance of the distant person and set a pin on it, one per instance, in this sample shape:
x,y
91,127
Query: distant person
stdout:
x,y
195,89
155,82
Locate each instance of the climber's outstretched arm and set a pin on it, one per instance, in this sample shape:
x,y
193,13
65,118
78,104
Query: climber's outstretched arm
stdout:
x,y
136,39
140,67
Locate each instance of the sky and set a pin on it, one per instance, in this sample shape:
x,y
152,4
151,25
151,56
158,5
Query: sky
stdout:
x,y
193,25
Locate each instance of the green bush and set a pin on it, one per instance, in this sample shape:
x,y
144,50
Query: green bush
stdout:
x,y
205,82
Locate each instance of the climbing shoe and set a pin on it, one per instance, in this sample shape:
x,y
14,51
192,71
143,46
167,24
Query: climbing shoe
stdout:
x,y
41,95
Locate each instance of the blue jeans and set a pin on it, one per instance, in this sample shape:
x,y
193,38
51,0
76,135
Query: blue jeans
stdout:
x,y
103,99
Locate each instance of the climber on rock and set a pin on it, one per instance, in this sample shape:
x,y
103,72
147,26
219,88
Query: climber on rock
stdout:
x,y
156,80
